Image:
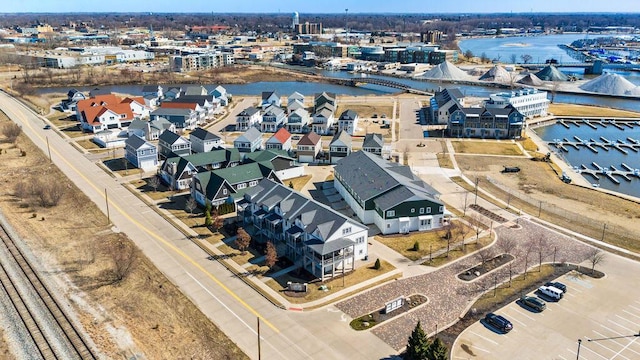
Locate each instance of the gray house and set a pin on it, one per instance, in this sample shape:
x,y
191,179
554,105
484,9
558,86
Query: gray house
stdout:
x,y
183,119
203,141
272,119
178,171
373,143
248,118
298,121
171,144
340,146
141,153
250,141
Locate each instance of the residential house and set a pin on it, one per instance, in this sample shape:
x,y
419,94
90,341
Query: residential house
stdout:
x,y
282,164
178,171
273,118
173,92
228,185
103,112
248,118
182,119
309,147
442,104
171,144
340,146
295,98
109,139
486,123
316,237
298,121
153,94
195,90
324,98
203,141
294,105
387,194
270,98
210,104
221,94
200,112
73,96
373,143
323,122
138,106
281,140
348,121
250,141
142,154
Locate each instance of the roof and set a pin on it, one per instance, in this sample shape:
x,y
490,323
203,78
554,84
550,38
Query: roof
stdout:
x,y
295,96
138,124
274,110
341,139
249,136
150,89
178,105
443,96
195,90
169,137
325,95
281,136
233,175
203,134
94,107
314,216
267,94
229,155
348,115
136,142
249,111
195,99
310,139
324,112
160,123
387,183
171,112
325,248
373,140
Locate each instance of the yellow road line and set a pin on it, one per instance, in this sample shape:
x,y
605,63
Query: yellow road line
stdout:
x,y
151,233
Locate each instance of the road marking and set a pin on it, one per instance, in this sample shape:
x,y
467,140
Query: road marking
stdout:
x,y
627,320
624,348
571,295
562,357
598,354
634,308
613,331
634,315
175,249
616,341
523,314
479,348
485,338
605,347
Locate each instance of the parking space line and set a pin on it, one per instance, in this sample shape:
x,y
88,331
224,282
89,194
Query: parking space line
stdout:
x,y
576,290
523,314
485,338
479,348
634,315
571,295
613,331
605,347
598,354
634,308
624,348
624,327
627,320
518,321
562,357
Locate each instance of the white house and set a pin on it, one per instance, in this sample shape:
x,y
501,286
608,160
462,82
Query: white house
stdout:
x,y
204,141
348,122
322,122
272,119
270,98
529,102
281,140
248,118
298,121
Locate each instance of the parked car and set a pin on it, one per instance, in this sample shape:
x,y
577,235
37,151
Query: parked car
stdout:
x,y
534,303
498,322
551,292
47,127
374,116
558,285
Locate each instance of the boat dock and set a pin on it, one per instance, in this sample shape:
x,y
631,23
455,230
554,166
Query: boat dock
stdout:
x,y
611,172
604,143
604,123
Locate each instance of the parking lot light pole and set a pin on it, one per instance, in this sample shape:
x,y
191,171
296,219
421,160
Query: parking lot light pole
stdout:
x,y
578,354
604,228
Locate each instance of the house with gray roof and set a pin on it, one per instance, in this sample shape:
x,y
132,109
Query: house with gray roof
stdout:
x,y
315,237
294,105
270,98
323,122
250,141
387,194
324,98
373,143
172,144
203,140
177,171
298,121
340,147
442,104
228,185
486,123
183,119
195,90
248,118
273,118
348,121
73,96
142,154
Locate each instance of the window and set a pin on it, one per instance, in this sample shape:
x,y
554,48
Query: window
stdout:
x,y
242,186
428,210
388,226
413,210
360,240
224,191
421,210
391,213
441,208
346,231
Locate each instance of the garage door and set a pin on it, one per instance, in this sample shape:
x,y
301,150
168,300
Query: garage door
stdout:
x,y
306,158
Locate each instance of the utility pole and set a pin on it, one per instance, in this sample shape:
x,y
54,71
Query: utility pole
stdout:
x,y
49,149
106,200
476,200
346,24
604,228
259,352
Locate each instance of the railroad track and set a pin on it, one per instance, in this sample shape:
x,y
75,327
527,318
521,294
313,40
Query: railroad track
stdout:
x,y
48,348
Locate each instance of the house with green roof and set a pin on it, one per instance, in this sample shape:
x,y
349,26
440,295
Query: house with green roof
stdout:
x,y
228,185
177,171
387,194
285,166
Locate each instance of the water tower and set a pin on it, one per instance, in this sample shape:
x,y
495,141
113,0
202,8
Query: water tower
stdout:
x,y
295,20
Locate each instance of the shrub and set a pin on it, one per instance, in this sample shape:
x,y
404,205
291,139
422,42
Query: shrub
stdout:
x,y
416,246
377,264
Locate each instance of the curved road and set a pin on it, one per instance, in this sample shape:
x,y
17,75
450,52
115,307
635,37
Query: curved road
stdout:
x,y
227,301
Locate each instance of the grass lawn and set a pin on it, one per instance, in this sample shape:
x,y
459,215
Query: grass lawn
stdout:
x,y
361,274
584,110
444,160
481,183
366,110
329,177
62,120
162,192
458,252
486,147
430,241
74,131
236,255
299,182
89,145
528,144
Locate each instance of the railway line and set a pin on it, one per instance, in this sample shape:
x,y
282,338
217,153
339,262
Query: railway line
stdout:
x,y
57,339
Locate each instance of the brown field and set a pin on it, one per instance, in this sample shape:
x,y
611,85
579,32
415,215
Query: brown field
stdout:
x,y
585,110
486,147
153,317
299,182
584,210
369,108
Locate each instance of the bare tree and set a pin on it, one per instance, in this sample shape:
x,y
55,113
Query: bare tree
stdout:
x,y
526,252
506,244
540,246
125,256
596,257
485,255
513,58
190,205
11,131
243,239
270,255
216,221
48,193
154,182
526,58
405,155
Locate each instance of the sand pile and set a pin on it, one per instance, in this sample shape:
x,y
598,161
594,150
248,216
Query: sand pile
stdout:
x,y
551,73
612,84
531,80
446,71
497,74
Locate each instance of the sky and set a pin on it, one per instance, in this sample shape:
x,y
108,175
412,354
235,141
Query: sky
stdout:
x,y
315,6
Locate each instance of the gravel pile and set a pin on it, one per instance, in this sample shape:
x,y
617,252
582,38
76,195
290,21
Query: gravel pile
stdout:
x,y
447,71
530,79
497,74
612,84
551,73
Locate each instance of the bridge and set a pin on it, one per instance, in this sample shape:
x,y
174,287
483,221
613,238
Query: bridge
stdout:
x,y
376,81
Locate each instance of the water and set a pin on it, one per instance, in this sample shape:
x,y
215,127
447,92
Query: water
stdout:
x,y
603,158
539,47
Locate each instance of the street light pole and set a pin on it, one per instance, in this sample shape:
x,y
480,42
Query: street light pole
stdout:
x,y
578,354
476,200
604,228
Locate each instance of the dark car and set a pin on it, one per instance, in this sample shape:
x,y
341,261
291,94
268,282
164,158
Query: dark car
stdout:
x,y
558,285
498,322
47,127
534,303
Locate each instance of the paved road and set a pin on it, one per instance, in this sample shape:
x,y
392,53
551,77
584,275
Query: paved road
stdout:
x,y
226,300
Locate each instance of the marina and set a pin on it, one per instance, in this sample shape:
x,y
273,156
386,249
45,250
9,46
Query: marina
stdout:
x,y
626,173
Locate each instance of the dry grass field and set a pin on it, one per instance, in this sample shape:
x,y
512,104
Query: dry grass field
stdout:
x,y
368,109
488,147
559,109
142,315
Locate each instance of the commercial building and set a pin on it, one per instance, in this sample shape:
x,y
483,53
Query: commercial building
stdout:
x,y
529,102
200,61
486,123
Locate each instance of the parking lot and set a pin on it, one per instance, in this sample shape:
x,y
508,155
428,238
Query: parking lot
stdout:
x,y
592,309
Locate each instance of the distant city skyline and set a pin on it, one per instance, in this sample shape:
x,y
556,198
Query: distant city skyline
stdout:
x,y
327,6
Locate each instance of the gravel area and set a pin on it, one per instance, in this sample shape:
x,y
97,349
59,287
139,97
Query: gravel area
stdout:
x,y
449,297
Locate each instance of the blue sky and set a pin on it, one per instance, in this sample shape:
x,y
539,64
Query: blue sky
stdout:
x,y
324,6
